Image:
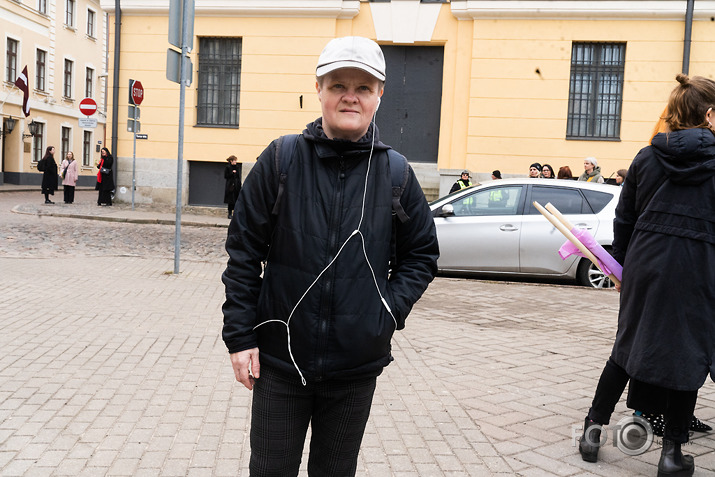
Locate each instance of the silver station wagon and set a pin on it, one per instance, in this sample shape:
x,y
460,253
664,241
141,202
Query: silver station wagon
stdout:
x,y
494,228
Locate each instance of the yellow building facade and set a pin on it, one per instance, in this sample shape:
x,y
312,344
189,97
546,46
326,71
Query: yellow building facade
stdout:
x,y
511,90
63,45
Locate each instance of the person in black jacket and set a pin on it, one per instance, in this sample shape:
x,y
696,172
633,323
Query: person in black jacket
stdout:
x,y
105,177
48,166
663,236
232,174
462,183
311,335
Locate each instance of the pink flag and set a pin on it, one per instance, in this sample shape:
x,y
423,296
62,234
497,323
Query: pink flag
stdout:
x,y
23,83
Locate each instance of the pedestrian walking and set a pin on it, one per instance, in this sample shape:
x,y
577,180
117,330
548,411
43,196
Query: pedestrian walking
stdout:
x,y
105,177
310,332
70,175
664,342
48,166
232,174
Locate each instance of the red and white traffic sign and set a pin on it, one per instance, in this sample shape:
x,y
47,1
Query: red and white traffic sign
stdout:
x,y
88,106
137,92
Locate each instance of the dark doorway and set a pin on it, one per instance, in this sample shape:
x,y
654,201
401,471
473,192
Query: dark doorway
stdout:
x,y
409,113
206,183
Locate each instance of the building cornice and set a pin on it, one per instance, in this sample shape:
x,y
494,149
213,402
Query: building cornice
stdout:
x,y
341,9
580,9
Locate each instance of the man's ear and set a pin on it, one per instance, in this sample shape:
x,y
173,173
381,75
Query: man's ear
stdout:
x,y
319,90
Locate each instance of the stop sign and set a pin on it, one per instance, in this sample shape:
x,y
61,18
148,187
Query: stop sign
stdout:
x,y
137,92
88,106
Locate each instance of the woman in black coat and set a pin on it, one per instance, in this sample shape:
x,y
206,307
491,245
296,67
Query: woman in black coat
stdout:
x,y
105,178
232,174
664,236
48,166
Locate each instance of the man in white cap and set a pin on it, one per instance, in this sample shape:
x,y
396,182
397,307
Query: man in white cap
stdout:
x,y
310,332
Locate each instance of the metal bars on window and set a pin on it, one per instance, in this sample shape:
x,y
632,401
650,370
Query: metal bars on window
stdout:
x,y
596,90
219,81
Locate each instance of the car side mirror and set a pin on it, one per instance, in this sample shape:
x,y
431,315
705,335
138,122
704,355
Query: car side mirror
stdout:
x,y
447,210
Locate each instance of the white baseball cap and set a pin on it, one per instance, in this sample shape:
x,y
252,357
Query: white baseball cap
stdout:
x,y
352,52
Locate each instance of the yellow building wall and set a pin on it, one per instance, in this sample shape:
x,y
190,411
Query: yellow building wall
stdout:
x,y
518,116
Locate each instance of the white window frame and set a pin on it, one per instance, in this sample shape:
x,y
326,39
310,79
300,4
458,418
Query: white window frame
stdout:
x,y
92,34
73,17
89,147
72,78
44,76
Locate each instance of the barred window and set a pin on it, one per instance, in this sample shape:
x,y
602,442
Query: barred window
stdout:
x,y
596,90
219,81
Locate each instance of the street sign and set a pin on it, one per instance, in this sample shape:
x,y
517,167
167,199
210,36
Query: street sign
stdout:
x,y
173,67
141,136
87,106
130,126
136,92
131,112
87,122
176,21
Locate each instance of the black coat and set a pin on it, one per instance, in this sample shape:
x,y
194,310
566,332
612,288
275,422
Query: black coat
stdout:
x,y
233,183
664,234
107,183
340,328
49,175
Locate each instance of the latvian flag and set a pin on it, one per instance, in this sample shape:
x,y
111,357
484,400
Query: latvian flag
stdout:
x,y
24,85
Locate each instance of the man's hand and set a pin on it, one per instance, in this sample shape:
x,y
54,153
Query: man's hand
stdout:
x,y
246,366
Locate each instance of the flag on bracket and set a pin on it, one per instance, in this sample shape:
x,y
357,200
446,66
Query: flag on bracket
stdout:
x,y
23,84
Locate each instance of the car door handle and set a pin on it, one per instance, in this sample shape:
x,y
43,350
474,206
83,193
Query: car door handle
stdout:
x,y
583,226
508,228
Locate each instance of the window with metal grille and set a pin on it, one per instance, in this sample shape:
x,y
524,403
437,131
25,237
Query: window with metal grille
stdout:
x,y
67,91
37,141
87,148
89,83
65,140
40,69
11,60
69,13
596,91
219,82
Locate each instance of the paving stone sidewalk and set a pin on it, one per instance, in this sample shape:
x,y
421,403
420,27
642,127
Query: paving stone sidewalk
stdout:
x,y
123,372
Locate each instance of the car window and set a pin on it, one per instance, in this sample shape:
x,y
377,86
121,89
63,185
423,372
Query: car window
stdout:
x,y
597,200
567,200
491,201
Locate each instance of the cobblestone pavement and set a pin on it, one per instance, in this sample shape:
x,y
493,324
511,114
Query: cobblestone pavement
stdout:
x,y
113,365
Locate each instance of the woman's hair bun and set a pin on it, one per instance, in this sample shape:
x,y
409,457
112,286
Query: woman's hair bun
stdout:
x,y
682,79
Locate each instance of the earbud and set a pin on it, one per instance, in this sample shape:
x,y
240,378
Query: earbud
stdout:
x,y
378,104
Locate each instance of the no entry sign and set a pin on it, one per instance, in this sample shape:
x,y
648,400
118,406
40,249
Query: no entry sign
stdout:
x,y
87,106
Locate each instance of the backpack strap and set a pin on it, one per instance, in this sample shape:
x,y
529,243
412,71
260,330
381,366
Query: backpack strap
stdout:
x,y
285,149
399,173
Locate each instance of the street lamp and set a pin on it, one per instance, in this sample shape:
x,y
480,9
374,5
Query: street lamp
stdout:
x,y
33,127
8,126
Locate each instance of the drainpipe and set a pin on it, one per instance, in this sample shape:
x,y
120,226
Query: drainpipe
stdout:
x,y
115,85
688,34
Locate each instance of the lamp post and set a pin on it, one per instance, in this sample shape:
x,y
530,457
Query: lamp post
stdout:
x,y
33,127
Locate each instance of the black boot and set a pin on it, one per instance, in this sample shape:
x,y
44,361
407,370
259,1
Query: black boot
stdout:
x,y
590,441
673,462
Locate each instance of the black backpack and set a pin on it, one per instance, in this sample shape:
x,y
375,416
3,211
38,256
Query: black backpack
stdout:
x,y
399,173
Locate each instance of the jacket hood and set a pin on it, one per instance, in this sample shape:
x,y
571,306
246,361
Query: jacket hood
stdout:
x,y
688,155
314,132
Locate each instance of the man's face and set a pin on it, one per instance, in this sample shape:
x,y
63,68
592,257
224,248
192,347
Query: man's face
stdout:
x,y
465,177
588,166
348,99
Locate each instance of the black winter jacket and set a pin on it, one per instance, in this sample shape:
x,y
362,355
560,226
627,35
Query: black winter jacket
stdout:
x,y
339,327
664,234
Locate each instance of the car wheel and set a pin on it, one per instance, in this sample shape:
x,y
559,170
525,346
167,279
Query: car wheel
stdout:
x,y
590,275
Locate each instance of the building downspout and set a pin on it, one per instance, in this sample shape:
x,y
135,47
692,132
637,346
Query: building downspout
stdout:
x,y
115,84
688,35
